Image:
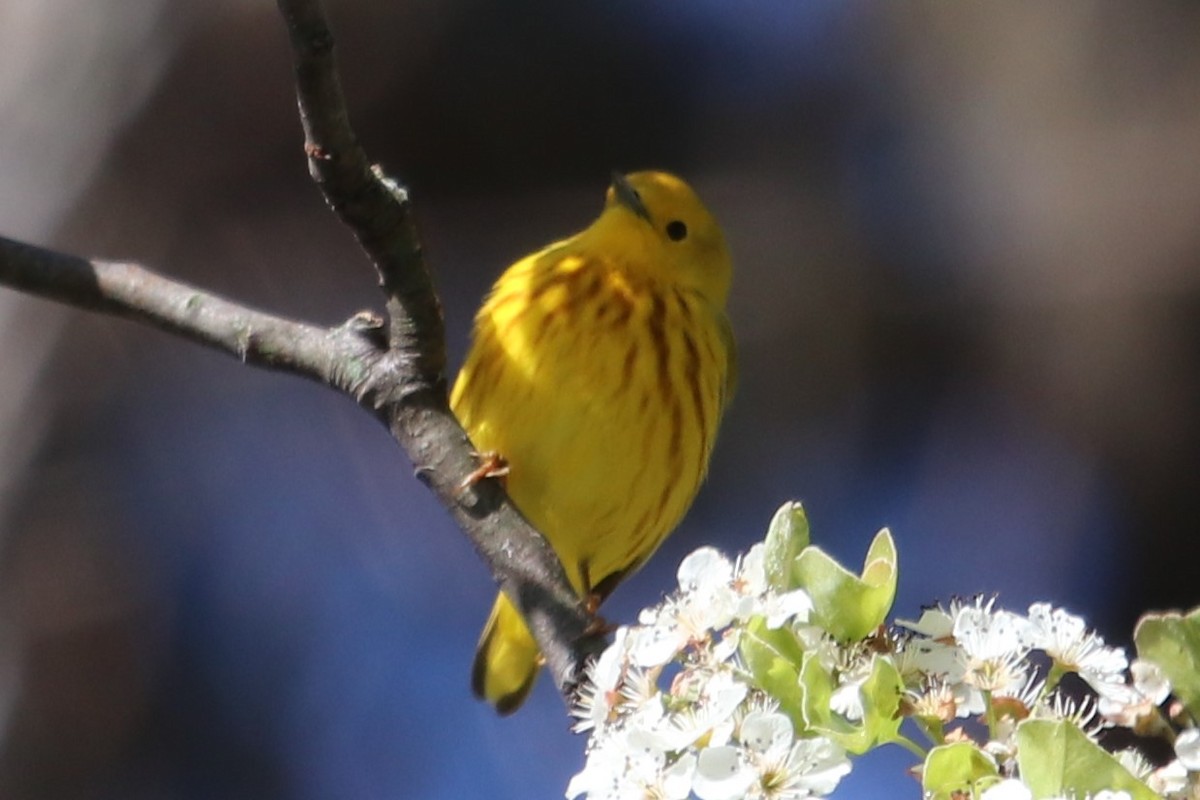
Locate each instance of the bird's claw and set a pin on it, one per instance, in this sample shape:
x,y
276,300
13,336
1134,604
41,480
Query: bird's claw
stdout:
x,y
597,625
491,465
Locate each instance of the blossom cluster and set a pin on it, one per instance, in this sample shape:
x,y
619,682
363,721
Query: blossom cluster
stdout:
x,y
760,677
975,661
712,733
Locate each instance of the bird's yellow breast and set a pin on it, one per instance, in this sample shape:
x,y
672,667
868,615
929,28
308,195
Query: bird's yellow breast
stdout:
x,y
602,388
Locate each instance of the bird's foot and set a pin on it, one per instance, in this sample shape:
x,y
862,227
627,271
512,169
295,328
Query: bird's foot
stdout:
x,y
491,465
598,625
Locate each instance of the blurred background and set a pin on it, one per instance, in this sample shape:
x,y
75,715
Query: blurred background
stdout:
x,y
967,243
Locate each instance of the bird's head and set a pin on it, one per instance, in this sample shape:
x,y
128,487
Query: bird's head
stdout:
x,y
654,222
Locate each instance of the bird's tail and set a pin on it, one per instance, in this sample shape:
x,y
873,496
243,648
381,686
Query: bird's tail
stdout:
x,y
507,659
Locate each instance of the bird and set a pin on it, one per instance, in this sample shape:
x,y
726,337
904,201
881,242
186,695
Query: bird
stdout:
x,y
598,372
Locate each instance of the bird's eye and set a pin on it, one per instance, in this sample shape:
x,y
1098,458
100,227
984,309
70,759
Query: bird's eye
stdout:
x,y
677,230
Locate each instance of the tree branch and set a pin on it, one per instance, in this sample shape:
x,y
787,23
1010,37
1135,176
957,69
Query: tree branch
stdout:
x,y
339,357
373,206
397,374
376,208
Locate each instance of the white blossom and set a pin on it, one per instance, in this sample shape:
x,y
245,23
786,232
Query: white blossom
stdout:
x,y
814,766
704,571
1187,749
757,598
934,623
993,648
1133,705
924,656
1169,779
769,763
847,695
987,635
938,623
722,774
706,602
750,573
1066,639
933,699
1007,789
1150,680
620,765
709,715
599,694
817,643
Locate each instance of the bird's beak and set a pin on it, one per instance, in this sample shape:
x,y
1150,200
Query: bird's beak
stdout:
x,y
627,196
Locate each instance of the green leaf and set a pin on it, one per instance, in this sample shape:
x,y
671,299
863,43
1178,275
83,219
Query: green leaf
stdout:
x,y
881,703
880,694
848,606
773,658
957,768
1172,641
1056,759
787,535
816,687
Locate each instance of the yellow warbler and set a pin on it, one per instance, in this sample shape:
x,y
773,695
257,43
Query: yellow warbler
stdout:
x,y
598,371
